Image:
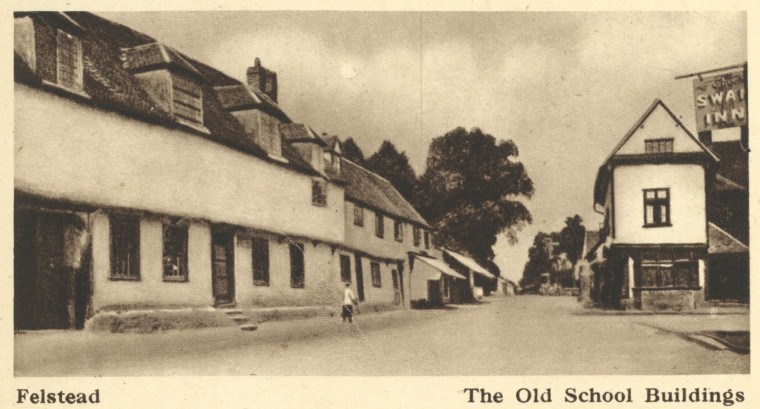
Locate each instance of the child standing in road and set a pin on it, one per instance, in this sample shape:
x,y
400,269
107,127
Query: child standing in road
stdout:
x,y
348,303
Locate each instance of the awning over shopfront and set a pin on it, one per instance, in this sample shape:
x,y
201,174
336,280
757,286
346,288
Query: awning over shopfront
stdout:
x,y
439,266
470,263
723,243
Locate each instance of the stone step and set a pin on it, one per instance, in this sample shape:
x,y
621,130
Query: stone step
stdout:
x,y
233,312
240,318
248,327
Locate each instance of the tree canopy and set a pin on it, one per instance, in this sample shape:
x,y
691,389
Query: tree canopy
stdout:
x,y
472,191
352,152
394,166
572,237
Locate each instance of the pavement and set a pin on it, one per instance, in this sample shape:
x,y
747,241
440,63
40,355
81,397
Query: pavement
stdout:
x,y
522,335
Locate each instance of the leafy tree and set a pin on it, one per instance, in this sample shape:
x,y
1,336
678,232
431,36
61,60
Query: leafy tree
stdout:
x,y
539,260
352,152
472,191
394,166
571,238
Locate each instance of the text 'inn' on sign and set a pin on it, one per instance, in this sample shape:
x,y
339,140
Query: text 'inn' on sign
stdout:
x,y
720,101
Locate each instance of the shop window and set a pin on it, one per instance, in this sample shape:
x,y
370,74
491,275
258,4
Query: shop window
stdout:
x,y
375,270
358,215
69,72
345,268
658,145
319,193
296,266
125,247
398,231
656,207
175,252
379,225
416,236
260,253
661,271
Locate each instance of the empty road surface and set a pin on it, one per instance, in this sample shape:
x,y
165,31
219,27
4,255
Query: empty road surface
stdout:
x,y
523,335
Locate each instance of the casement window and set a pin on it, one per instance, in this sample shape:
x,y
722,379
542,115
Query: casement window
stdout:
x,y
416,236
358,215
260,253
656,207
187,100
375,270
379,225
398,231
658,145
69,72
319,193
175,252
427,240
662,271
296,266
345,268
125,247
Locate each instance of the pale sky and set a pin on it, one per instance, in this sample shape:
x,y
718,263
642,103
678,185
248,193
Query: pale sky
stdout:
x,y
565,86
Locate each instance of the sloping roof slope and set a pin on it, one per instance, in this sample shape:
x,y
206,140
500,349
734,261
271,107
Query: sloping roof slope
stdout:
x,y
373,191
720,242
733,161
469,263
111,86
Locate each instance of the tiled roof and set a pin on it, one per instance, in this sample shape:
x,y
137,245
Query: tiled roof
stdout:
x,y
592,237
733,161
299,132
723,243
146,56
111,86
372,190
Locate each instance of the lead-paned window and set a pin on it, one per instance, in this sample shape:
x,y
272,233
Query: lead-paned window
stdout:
x,y
318,193
379,225
296,266
656,207
125,247
661,270
260,253
175,252
398,231
358,215
69,61
658,145
375,269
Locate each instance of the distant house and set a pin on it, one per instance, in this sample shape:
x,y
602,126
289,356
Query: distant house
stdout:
x,y
433,282
144,178
653,190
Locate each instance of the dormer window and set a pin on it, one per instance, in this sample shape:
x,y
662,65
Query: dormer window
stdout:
x,y
69,72
187,100
170,79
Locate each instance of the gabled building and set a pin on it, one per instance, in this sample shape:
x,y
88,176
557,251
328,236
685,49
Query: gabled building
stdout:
x,y
653,191
146,179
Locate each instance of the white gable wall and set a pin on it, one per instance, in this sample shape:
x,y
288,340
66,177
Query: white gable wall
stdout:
x,y
659,125
687,203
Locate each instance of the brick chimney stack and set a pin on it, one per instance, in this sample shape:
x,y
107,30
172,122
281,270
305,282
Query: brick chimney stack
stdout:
x,y
262,79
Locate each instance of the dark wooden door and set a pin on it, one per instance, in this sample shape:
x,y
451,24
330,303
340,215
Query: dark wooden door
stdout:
x,y
43,284
223,262
359,277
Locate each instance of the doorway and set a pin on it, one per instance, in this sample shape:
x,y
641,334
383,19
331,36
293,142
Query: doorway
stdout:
x,y
223,265
51,270
359,277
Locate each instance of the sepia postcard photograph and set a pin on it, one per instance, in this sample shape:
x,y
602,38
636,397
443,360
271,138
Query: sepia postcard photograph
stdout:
x,y
380,193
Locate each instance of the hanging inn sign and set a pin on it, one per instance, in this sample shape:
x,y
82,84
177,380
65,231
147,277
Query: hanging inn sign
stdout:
x,y
720,101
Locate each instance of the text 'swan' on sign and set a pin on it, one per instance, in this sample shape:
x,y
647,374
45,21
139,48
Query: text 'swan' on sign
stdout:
x,y
721,101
